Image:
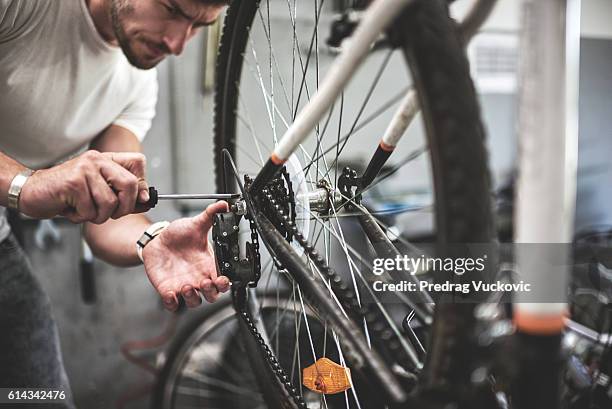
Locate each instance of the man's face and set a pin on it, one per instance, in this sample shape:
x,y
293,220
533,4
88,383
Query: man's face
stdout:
x,y
148,30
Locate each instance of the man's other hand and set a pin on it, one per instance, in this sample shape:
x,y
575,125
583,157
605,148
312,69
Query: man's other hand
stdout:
x,y
91,187
181,262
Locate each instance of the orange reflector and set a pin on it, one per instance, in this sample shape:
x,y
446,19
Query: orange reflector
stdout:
x,y
326,377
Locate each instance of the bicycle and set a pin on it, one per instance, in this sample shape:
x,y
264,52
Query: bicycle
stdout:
x,y
302,309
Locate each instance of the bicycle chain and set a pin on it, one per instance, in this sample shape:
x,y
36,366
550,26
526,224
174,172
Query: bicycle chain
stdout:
x,y
345,295
266,352
240,300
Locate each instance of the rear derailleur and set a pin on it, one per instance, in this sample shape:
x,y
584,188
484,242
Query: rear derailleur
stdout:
x,y
246,271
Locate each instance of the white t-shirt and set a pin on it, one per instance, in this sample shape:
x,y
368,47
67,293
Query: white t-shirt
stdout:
x,y
61,84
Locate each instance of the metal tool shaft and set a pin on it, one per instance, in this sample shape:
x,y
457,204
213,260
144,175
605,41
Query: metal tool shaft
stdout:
x,y
212,196
154,197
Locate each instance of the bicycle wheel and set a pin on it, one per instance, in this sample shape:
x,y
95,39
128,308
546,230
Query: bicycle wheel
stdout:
x,y
206,365
443,175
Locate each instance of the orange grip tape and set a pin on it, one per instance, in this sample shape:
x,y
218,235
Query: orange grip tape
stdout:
x,y
385,147
539,324
276,160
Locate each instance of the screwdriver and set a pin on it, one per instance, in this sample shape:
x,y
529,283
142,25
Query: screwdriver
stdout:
x,y
154,197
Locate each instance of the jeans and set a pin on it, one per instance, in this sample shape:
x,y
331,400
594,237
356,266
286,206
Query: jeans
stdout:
x,y
30,355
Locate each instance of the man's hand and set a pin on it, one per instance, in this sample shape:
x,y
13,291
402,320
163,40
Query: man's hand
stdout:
x,y
92,187
181,261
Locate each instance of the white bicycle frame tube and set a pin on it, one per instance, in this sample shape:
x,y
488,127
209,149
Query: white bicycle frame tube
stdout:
x,y
401,120
375,19
548,141
404,115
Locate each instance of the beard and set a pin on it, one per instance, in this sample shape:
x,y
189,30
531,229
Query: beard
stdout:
x,y
119,11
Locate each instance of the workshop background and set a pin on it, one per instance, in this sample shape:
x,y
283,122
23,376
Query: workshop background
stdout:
x,y
179,152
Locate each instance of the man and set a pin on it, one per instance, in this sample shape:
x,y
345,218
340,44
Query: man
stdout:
x,y
77,74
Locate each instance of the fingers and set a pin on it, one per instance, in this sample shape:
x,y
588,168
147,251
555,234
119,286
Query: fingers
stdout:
x,y
222,283
191,296
211,288
105,200
206,217
136,164
124,183
84,207
209,291
143,191
170,301
79,188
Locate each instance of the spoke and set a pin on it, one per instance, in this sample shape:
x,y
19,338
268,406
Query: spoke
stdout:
x,y
251,128
269,99
371,292
305,69
268,34
384,108
297,319
209,380
249,156
363,106
293,50
402,210
314,354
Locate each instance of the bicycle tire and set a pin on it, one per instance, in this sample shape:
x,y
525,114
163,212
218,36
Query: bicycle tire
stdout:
x,y
164,395
454,132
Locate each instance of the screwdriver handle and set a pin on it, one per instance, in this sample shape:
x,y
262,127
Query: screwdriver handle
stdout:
x,y
153,198
150,204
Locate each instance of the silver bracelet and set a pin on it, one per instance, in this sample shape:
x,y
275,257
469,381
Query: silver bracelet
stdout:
x,y
15,188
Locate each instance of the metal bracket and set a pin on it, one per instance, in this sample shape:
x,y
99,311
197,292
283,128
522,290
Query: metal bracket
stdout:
x,y
349,185
227,250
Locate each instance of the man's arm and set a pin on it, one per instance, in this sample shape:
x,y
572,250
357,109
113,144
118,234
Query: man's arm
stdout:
x,y
180,262
78,189
115,240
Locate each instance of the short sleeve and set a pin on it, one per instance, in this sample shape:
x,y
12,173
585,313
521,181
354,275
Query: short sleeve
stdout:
x,y
15,16
140,111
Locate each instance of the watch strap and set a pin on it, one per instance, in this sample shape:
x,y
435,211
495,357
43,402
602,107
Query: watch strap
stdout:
x,y
149,234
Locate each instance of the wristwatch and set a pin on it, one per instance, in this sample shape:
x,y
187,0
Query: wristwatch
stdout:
x,y
15,188
154,230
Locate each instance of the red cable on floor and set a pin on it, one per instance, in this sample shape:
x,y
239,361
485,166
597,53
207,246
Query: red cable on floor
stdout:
x,y
127,350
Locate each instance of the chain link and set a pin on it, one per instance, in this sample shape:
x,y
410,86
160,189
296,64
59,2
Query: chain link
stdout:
x,y
240,303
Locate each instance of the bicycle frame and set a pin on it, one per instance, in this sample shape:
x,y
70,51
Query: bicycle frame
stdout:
x,y
376,18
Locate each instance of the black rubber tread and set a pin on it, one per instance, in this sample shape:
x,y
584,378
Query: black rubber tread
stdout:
x,y
455,132
195,319
234,37
251,353
462,184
